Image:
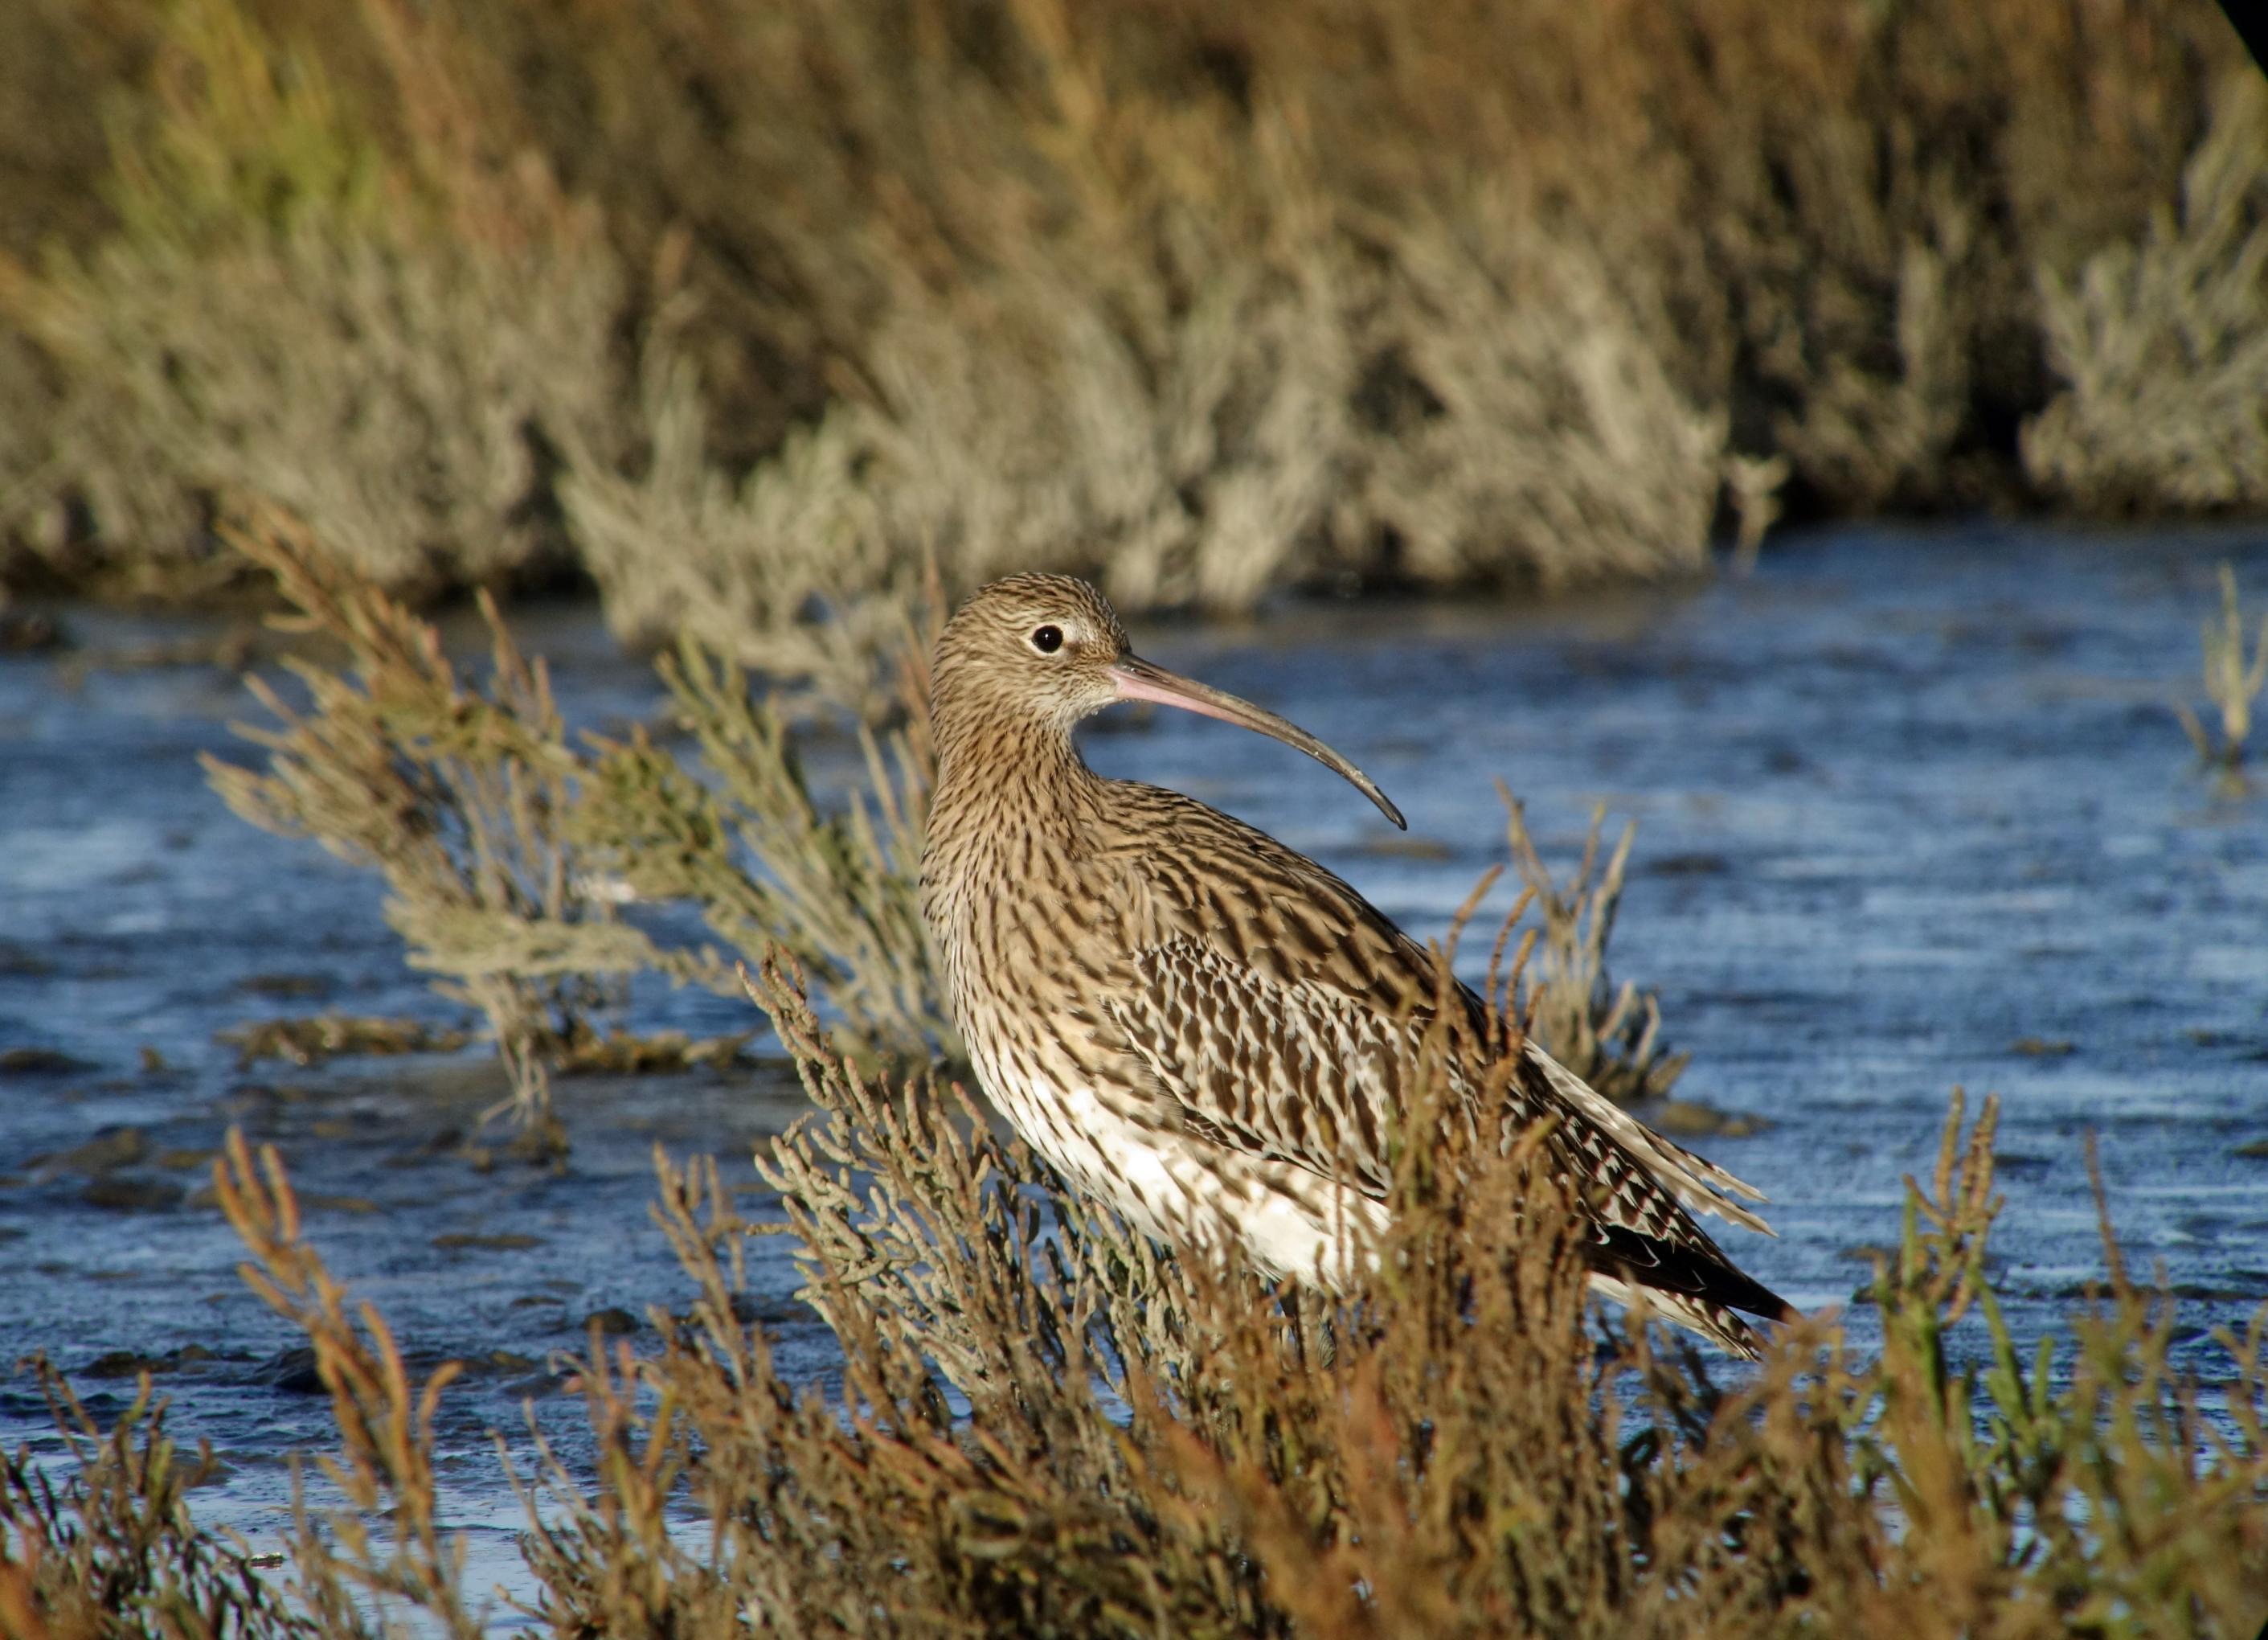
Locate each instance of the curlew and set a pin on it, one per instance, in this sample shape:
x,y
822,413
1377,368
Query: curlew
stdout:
x,y
1207,1030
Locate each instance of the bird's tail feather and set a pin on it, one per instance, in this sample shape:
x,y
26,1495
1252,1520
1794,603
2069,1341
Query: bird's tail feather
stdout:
x,y
1719,1323
1701,1185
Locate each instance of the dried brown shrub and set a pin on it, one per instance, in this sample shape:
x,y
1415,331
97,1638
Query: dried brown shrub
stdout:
x,y
1822,221
1044,1425
1086,316
1868,191
53,53
385,1423
1076,327
1149,1444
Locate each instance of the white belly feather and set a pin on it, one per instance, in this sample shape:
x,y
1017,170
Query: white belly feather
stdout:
x,y
1290,1222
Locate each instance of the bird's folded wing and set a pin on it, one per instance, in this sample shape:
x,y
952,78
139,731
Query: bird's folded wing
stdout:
x,y
1274,1007
1297,1073
1269,1003
1621,1138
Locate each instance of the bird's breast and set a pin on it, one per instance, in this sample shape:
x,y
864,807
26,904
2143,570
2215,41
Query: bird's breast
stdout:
x,y
1025,925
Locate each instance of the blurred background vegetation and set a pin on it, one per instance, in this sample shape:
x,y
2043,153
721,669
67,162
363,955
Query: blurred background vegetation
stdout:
x,y
744,309
755,315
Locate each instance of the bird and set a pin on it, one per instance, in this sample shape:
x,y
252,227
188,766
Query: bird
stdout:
x,y
1210,1032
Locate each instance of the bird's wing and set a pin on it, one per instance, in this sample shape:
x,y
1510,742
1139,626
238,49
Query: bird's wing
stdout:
x,y
1272,1005
1279,1013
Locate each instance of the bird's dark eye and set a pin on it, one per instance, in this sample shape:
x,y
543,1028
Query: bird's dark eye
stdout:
x,y
1047,640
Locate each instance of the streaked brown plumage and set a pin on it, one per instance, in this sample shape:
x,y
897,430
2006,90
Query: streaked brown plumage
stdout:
x,y
1203,1028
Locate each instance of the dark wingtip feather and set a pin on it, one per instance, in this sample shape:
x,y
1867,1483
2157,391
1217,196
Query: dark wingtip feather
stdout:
x,y
1683,1272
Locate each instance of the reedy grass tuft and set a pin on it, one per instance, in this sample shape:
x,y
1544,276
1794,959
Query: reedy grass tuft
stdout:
x,y
1607,1035
2232,683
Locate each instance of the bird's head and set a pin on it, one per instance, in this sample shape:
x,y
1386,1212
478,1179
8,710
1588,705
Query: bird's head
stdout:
x,y
1047,651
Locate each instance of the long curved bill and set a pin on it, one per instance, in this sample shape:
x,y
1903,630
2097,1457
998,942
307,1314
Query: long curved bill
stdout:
x,y
1138,680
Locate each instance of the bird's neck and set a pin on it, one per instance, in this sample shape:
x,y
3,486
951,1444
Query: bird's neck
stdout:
x,y
1005,773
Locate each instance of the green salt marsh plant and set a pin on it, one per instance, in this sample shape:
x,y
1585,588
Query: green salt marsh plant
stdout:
x,y
739,832
451,792
508,846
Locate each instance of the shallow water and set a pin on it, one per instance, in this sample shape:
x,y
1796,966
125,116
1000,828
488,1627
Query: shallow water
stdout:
x,y
1913,812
